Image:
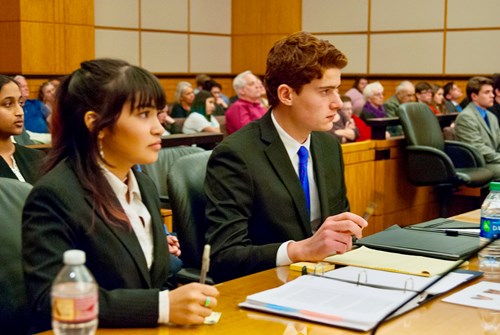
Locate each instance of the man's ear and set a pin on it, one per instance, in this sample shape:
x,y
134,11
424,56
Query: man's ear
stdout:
x,y
90,118
473,97
285,94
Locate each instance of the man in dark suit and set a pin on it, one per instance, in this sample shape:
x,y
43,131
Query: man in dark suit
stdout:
x,y
260,213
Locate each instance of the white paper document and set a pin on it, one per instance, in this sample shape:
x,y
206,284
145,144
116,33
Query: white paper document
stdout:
x,y
483,295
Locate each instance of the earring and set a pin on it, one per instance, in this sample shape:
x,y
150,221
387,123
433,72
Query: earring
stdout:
x,y
101,152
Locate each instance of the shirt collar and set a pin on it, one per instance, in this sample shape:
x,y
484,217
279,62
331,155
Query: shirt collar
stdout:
x,y
291,145
481,110
119,187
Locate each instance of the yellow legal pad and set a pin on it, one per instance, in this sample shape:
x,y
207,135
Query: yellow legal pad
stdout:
x,y
394,262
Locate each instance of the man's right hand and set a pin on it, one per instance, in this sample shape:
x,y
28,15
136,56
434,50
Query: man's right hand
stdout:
x,y
334,236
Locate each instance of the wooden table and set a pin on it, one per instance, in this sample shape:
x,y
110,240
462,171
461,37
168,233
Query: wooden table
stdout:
x,y
434,317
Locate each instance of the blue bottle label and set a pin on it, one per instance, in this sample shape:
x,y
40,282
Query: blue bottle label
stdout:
x,y
490,227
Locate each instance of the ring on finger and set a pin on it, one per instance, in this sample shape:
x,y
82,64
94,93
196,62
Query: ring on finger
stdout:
x,y
207,301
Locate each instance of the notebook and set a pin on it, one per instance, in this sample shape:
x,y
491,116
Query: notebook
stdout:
x,y
423,241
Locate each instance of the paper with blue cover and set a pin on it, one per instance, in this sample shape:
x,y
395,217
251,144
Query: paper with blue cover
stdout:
x,y
339,300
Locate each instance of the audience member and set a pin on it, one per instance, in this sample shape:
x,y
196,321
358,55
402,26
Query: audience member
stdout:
x,y
168,123
495,109
263,100
260,213
47,95
16,161
91,199
247,108
478,126
356,94
405,92
374,106
438,100
201,119
452,94
423,93
344,127
183,96
35,112
216,89
200,81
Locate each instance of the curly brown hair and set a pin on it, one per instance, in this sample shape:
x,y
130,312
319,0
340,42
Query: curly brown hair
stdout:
x,y
298,59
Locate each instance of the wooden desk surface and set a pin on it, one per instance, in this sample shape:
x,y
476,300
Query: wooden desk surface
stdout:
x,y
435,317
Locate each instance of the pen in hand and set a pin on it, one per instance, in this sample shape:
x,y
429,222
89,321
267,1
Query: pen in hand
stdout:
x,y
205,263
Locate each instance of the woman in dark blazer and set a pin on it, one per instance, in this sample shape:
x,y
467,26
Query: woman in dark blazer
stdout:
x,y
91,199
16,161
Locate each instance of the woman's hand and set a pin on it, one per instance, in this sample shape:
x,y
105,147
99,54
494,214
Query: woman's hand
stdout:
x,y
192,303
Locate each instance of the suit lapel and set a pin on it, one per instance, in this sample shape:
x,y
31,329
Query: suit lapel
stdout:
x,y
161,257
128,239
277,155
481,121
319,169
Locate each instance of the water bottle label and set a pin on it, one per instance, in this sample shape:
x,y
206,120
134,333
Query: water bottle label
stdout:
x,y
490,227
78,309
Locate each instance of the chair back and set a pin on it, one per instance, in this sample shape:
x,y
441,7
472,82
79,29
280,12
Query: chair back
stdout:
x,y
421,127
13,302
187,197
158,170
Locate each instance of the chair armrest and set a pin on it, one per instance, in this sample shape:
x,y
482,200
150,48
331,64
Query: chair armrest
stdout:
x,y
463,155
429,166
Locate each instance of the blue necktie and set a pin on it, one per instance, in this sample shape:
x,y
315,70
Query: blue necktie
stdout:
x,y
304,180
485,117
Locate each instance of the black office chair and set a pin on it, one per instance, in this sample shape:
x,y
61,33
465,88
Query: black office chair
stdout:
x,y
14,312
432,161
158,171
187,198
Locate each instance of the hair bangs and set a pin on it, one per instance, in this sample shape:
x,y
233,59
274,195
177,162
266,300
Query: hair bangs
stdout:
x,y
142,89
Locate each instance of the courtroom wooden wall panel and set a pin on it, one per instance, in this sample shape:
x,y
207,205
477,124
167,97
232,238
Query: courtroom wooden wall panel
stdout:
x,y
11,11
406,15
246,18
467,14
38,47
420,53
10,48
37,11
123,44
335,15
355,47
164,52
212,16
117,13
80,12
210,54
74,52
164,14
479,50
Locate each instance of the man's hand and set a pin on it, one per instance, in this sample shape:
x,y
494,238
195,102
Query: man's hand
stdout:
x,y
334,236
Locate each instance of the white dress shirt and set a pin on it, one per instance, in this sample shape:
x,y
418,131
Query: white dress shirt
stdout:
x,y
292,147
140,220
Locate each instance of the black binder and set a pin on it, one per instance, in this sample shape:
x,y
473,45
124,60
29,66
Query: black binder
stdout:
x,y
440,238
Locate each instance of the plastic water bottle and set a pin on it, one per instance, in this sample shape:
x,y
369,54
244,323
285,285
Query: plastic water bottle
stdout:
x,y
489,258
74,297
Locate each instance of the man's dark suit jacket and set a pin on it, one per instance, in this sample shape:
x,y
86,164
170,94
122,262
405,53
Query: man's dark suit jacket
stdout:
x,y
255,201
57,217
28,161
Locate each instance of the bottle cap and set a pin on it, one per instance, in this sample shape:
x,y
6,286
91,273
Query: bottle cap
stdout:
x,y
74,257
495,186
